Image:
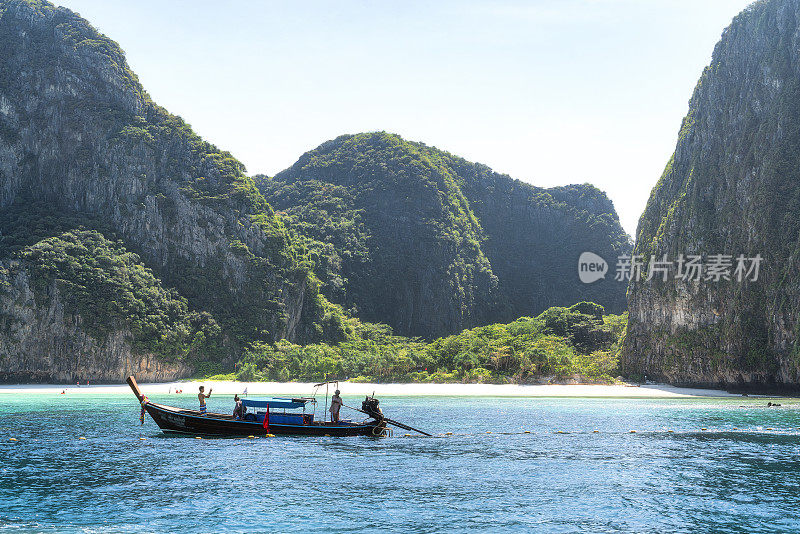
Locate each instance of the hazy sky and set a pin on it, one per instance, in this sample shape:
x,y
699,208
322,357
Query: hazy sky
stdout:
x,y
550,91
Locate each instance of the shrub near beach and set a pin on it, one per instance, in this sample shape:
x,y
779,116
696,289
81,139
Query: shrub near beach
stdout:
x,y
560,345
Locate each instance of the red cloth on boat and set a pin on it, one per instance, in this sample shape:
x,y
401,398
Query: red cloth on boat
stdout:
x,y
266,420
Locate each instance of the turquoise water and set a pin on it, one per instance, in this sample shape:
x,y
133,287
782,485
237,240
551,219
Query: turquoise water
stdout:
x,y
690,480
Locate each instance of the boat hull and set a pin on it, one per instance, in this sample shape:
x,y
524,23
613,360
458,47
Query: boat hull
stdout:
x,y
170,419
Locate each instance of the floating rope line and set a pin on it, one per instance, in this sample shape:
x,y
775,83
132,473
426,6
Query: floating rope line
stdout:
x,y
791,431
620,432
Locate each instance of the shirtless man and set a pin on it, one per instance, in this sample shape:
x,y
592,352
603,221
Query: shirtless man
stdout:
x,y
202,397
336,403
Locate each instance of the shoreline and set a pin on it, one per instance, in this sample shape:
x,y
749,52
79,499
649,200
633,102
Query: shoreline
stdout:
x,y
649,391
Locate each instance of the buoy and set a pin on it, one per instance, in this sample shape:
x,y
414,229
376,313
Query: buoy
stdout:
x,y
448,433
406,435
703,429
633,432
595,431
770,428
488,431
527,432
670,431
81,437
327,435
273,435
142,439
251,437
560,432
198,437
12,439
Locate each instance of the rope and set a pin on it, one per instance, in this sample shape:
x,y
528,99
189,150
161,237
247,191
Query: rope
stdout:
x,y
144,402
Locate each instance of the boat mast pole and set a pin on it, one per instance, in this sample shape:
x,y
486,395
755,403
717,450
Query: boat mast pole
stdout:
x,y
325,408
314,396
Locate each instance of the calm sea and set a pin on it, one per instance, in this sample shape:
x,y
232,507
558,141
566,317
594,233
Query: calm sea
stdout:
x,y
741,474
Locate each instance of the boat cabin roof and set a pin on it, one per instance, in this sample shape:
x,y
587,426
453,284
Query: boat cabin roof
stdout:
x,y
275,403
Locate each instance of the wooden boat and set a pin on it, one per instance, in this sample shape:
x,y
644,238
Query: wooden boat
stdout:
x,y
171,419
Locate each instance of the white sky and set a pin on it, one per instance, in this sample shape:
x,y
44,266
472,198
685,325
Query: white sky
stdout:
x,y
549,91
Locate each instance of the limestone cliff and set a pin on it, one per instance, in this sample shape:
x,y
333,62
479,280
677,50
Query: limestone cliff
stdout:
x,y
48,344
534,237
80,136
410,245
78,307
732,187
430,243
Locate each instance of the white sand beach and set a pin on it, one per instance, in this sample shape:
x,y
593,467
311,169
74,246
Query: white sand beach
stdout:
x,y
384,390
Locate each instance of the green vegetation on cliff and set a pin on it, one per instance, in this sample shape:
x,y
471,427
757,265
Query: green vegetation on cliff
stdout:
x,y
430,243
108,287
392,233
100,154
534,237
561,344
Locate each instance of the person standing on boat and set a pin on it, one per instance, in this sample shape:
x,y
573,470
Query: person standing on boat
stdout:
x,y
202,397
336,404
238,409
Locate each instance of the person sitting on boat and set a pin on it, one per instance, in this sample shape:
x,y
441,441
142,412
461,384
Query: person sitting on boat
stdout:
x,y
336,404
202,397
238,410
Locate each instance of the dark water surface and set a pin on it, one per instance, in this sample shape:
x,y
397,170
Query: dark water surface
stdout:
x,y
690,480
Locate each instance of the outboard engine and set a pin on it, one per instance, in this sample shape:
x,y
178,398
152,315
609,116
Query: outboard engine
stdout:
x,y
371,407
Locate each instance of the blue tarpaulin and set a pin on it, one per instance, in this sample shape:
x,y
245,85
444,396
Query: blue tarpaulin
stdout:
x,y
273,403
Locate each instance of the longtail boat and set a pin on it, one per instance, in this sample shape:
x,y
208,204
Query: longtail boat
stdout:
x,y
268,417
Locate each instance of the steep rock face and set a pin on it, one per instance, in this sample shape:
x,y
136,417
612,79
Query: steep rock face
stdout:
x,y
418,238
410,243
78,133
535,237
731,187
47,343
